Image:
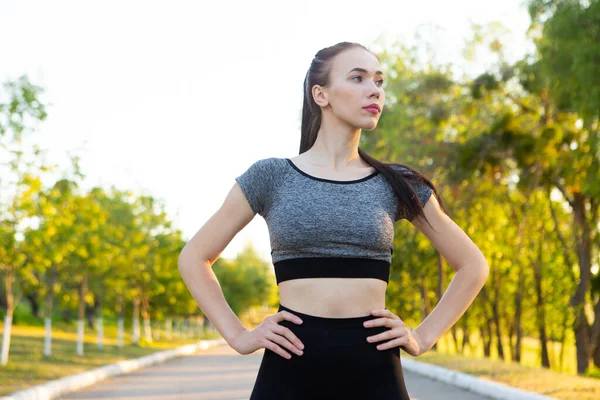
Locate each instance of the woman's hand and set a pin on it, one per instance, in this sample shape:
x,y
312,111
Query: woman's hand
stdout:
x,y
398,335
269,334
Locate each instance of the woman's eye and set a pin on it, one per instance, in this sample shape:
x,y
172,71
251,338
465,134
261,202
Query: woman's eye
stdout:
x,y
378,82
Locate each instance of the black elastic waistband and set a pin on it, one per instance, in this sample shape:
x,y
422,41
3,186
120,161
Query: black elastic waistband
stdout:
x,y
331,267
317,321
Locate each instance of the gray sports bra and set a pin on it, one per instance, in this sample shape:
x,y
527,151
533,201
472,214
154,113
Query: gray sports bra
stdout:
x,y
325,228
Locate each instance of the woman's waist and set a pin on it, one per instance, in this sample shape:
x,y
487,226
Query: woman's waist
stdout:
x,y
333,297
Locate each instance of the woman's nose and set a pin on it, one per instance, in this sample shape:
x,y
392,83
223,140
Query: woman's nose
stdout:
x,y
374,92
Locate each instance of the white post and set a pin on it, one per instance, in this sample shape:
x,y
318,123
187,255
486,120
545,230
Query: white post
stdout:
x,y
169,333
100,333
147,330
6,339
80,326
120,330
136,329
48,337
156,330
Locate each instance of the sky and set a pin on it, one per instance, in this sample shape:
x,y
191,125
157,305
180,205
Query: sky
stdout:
x,y
177,98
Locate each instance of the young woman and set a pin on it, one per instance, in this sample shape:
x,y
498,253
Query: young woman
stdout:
x,y
330,213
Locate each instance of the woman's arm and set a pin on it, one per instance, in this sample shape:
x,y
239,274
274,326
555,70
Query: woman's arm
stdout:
x,y
465,258
204,248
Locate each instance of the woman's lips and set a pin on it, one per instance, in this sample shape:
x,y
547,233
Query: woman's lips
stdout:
x,y
372,110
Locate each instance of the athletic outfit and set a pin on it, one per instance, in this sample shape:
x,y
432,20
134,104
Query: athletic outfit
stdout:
x,y
327,228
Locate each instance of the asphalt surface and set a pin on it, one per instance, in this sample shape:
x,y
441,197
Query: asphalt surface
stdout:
x,y
220,373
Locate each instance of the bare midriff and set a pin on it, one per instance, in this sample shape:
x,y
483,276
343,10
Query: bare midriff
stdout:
x,y
333,297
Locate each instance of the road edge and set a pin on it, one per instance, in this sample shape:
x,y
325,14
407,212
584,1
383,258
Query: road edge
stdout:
x,y
491,389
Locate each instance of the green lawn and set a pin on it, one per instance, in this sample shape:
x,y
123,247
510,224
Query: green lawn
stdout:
x,y
27,366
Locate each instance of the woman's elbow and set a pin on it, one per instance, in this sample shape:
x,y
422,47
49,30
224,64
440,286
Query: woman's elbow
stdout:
x,y
483,271
185,259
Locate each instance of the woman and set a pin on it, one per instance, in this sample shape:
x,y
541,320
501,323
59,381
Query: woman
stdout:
x,y
330,213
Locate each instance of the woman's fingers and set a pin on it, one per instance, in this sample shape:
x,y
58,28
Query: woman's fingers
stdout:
x,y
281,315
284,342
275,348
279,337
389,334
292,342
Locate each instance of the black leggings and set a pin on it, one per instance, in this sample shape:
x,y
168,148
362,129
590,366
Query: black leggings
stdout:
x,y
338,363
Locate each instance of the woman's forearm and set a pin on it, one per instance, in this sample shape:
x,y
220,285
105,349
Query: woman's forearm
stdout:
x,y
204,286
459,295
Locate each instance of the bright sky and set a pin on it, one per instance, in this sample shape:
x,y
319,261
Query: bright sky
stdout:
x,y
177,98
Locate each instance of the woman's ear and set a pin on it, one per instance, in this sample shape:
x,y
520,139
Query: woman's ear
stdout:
x,y
320,96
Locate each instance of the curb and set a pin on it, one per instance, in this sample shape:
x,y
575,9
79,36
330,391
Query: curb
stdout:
x,y
53,389
493,390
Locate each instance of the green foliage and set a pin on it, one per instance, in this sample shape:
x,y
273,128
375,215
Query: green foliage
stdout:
x,y
247,281
510,150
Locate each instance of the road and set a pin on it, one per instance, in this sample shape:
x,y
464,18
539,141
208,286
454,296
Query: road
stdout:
x,y
220,373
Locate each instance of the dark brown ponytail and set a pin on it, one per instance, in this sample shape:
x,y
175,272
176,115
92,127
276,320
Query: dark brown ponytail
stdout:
x,y
318,74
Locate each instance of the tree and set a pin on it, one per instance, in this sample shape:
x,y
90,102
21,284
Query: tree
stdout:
x,y
19,108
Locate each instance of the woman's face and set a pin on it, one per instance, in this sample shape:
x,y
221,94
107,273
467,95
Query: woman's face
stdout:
x,y
355,83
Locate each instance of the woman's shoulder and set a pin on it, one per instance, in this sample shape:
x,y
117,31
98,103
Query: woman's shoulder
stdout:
x,y
269,170
274,166
260,180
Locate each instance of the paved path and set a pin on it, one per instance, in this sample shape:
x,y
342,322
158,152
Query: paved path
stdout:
x,y
220,373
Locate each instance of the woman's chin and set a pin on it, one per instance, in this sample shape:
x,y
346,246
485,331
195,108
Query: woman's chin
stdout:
x,y
369,127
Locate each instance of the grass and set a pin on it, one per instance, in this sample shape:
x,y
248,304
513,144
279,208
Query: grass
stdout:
x,y
534,379
28,367
530,353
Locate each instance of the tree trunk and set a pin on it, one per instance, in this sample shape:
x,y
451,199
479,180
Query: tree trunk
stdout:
x,y
540,306
563,339
487,341
595,333
570,266
81,314
146,318
169,329
100,339
34,303
440,289
519,313
455,339
136,320
486,329
518,330
496,318
89,315
596,338
9,281
510,333
120,322
465,329
51,280
583,238
2,297
425,306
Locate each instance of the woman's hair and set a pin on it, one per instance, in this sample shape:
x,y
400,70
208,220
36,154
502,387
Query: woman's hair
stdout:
x,y
318,74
